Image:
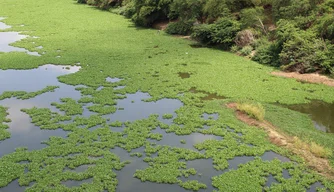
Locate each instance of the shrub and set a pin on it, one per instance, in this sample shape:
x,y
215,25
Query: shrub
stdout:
x,y
128,10
253,17
147,12
202,33
234,49
247,50
224,31
214,9
179,27
325,27
304,52
267,53
244,38
255,110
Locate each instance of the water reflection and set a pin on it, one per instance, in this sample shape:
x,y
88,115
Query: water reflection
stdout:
x,y
321,113
135,108
3,25
24,133
7,38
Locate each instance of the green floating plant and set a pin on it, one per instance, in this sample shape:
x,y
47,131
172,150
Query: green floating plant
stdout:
x,y
3,133
26,95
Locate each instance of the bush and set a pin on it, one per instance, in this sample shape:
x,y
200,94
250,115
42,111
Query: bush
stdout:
x,y
202,33
325,27
147,12
267,53
255,110
304,53
179,27
253,17
234,49
247,50
224,31
244,38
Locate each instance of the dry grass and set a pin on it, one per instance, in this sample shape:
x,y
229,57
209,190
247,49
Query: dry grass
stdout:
x,y
255,110
319,151
314,148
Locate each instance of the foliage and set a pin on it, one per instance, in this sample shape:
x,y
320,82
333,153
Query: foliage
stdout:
x,y
214,9
255,110
167,116
303,52
24,95
252,17
179,27
3,133
267,53
147,12
244,38
222,32
247,50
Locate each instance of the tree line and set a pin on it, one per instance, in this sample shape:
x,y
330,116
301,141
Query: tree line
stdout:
x,y
296,35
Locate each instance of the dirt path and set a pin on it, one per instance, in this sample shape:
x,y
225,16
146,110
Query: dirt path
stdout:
x,y
321,165
310,78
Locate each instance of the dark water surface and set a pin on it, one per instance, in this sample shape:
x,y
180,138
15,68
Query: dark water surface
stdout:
x,y
321,113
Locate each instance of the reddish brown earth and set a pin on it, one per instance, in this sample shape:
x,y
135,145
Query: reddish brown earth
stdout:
x,y
310,78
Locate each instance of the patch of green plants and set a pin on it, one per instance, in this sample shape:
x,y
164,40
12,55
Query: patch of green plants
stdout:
x,y
3,133
26,95
167,116
69,106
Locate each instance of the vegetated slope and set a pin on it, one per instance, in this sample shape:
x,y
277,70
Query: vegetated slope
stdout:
x,y
296,35
107,45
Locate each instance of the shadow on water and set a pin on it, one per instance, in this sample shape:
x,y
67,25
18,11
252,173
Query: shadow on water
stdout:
x,y
23,132
210,96
321,113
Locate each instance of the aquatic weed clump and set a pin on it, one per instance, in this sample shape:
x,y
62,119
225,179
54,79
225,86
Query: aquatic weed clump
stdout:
x,y
3,133
26,95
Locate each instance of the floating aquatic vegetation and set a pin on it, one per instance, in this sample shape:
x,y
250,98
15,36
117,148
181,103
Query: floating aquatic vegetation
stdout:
x,y
167,116
69,106
26,95
3,133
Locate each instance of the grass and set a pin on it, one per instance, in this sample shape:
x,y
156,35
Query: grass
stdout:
x,y
255,110
320,151
107,45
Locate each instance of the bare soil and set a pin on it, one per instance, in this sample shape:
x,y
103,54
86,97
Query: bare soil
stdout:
x,y
277,137
309,78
